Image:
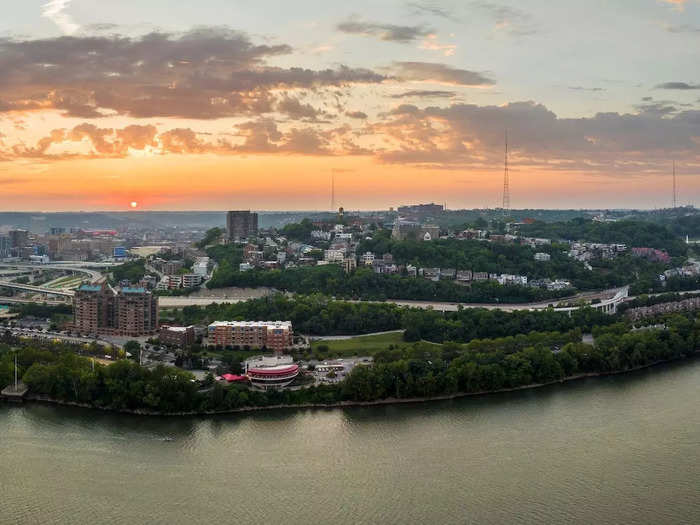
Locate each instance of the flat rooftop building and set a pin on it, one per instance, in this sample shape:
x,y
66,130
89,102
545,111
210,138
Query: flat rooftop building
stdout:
x,y
274,335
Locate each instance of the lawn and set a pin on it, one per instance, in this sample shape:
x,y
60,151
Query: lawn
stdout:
x,y
358,346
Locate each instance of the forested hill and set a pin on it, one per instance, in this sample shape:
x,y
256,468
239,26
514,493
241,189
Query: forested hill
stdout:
x,y
632,233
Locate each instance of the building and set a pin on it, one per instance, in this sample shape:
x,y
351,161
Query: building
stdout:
x,y
422,209
201,266
136,312
334,255
271,372
100,309
414,231
349,264
180,336
274,335
18,240
543,257
4,246
367,258
241,225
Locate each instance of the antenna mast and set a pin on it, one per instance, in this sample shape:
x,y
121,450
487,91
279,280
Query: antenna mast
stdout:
x,y
332,192
675,195
506,181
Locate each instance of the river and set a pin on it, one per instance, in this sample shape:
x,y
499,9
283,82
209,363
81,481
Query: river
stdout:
x,y
622,449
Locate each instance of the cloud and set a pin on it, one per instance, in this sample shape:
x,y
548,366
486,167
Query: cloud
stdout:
x,y
467,135
55,10
509,20
204,73
683,28
356,114
425,93
387,32
430,8
441,73
431,43
677,4
582,88
295,109
677,85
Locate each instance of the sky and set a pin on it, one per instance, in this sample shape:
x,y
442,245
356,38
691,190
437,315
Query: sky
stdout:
x,y
236,104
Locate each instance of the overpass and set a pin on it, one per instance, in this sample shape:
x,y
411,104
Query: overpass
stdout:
x,y
36,289
79,268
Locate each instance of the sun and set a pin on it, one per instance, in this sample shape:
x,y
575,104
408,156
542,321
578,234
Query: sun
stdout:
x,y
133,204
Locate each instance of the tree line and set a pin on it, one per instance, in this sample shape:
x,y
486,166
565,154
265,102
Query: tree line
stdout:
x,y
419,370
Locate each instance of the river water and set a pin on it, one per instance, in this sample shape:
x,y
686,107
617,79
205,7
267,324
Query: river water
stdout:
x,y
622,449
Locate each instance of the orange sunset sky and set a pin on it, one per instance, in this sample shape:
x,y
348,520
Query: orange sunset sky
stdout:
x,y
216,105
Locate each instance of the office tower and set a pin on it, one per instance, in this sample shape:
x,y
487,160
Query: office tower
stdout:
x,y
241,225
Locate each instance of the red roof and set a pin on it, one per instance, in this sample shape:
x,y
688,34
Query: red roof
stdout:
x,y
233,377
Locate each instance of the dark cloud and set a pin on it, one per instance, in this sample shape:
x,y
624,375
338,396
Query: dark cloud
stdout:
x,y
430,8
293,108
677,85
204,73
425,93
431,71
356,114
388,32
471,135
683,28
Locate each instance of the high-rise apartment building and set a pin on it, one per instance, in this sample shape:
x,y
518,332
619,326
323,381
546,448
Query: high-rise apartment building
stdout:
x,y
241,225
130,312
4,246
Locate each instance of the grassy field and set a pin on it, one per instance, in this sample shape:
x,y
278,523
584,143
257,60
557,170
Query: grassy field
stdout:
x,y
358,346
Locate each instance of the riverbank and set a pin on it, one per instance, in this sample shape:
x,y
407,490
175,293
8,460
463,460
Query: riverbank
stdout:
x,y
39,398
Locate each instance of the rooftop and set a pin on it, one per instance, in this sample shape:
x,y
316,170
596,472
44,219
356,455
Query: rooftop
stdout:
x,y
89,288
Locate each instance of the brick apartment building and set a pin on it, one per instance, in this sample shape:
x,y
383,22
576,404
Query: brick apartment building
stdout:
x,y
180,336
273,335
100,309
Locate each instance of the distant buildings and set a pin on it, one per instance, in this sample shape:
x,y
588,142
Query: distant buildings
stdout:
x,y
652,254
410,230
542,257
100,309
5,246
241,225
421,209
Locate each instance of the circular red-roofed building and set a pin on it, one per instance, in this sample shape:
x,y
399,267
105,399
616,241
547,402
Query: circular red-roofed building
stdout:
x,y
271,372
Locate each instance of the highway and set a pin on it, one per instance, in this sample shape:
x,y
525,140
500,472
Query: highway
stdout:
x,y
613,297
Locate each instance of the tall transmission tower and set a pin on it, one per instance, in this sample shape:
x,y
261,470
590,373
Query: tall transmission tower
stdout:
x,y
675,194
506,181
332,192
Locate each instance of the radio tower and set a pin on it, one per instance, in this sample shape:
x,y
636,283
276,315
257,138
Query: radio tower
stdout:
x,y
675,195
506,182
332,192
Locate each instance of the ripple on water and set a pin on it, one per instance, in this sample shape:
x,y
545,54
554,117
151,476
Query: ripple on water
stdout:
x,y
608,450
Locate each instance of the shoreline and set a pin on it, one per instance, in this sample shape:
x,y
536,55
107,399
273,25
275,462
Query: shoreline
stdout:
x,y
39,398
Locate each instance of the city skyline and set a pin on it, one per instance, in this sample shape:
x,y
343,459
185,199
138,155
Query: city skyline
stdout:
x,y
402,102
